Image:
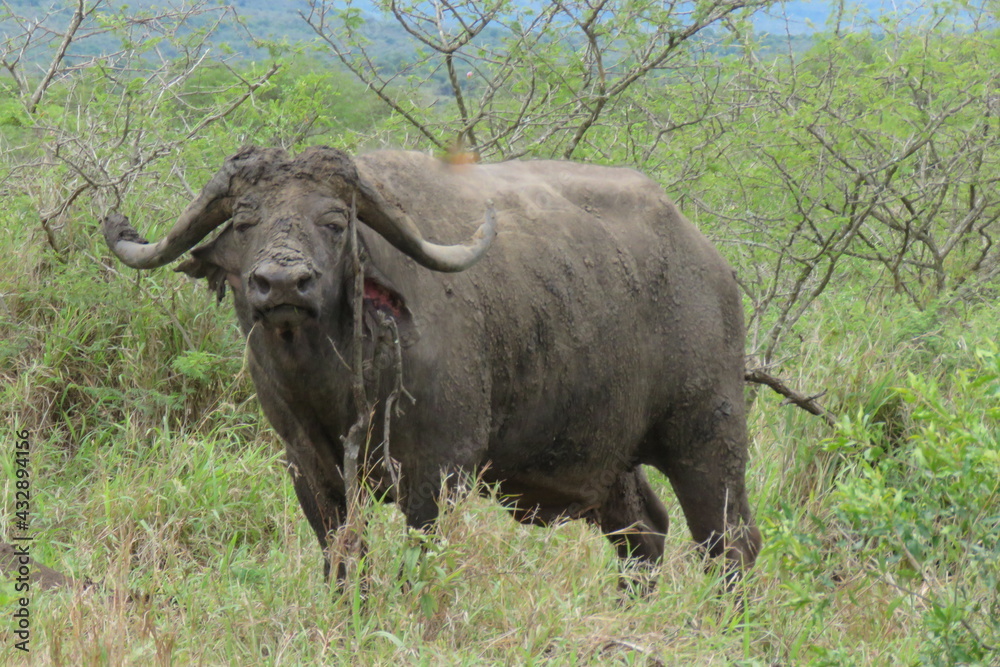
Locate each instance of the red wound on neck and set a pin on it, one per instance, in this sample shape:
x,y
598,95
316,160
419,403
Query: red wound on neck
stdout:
x,y
380,297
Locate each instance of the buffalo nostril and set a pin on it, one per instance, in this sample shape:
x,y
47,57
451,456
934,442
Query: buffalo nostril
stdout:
x,y
261,284
304,283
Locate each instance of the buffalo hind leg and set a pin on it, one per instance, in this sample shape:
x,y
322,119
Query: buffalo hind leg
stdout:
x,y
708,476
635,522
719,519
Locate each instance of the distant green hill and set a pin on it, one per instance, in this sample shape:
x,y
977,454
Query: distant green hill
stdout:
x,y
280,21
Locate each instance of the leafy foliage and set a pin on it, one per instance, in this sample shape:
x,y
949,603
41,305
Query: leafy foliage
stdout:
x,y
873,155
921,514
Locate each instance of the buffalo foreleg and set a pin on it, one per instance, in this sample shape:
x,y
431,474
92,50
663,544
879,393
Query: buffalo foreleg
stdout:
x,y
324,504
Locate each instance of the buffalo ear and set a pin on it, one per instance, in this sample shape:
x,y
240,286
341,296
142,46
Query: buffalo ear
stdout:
x,y
200,265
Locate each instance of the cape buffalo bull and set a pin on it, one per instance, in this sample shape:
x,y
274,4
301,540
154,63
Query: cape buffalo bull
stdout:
x,y
586,329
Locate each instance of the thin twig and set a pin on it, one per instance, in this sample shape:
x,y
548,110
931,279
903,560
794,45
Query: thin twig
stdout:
x,y
352,442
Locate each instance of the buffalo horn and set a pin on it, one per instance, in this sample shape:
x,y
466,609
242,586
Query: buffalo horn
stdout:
x,y
211,209
392,223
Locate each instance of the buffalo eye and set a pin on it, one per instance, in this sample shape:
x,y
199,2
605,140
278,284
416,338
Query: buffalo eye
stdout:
x,y
244,225
335,220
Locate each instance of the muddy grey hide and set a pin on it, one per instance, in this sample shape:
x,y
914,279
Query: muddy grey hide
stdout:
x,y
585,330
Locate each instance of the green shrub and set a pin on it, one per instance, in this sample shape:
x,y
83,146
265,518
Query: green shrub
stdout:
x,y
926,516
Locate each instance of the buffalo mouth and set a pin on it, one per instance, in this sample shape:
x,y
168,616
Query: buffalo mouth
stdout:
x,y
285,318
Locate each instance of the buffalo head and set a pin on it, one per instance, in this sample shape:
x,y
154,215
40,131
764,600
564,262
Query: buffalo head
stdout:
x,y
282,247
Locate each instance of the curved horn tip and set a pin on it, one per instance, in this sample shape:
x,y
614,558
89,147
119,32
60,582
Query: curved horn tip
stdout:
x,y
116,227
488,230
465,256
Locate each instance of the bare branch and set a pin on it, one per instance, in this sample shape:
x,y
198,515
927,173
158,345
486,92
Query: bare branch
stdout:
x,y
807,403
79,14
